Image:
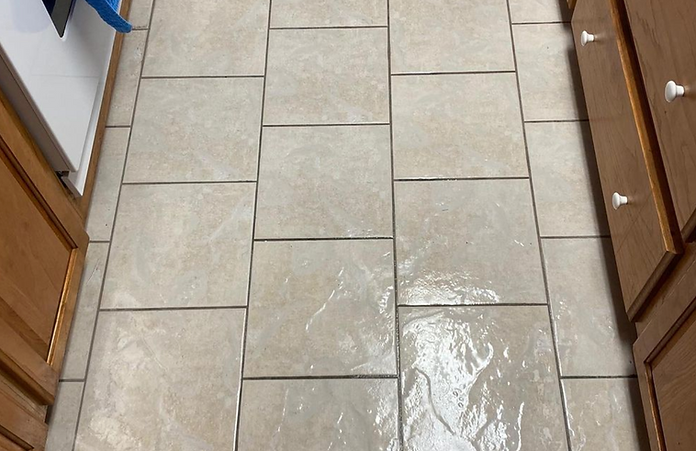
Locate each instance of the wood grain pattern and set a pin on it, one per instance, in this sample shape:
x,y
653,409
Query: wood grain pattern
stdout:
x,y
664,32
641,231
20,427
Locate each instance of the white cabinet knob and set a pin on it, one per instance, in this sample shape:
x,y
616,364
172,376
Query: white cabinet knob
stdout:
x,y
617,200
673,90
586,38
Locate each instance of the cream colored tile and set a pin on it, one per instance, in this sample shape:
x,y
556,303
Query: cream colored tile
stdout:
x,y
605,414
196,130
207,37
478,378
327,77
62,421
341,415
328,13
102,208
321,308
467,242
594,336
75,362
548,71
127,77
180,246
457,126
523,11
163,380
566,181
450,36
140,12
324,182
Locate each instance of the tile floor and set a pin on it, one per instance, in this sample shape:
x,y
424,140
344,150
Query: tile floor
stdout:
x,y
348,225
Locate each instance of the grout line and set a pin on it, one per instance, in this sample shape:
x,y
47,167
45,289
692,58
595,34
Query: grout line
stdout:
x,y
454,179
113,228
201,182
397,328
169,309
351,124
331,27
461,72
348,238
99,241
71,379
550,22
253,235
573,237
570,378
500,304
552,121
552,328
184,77
326,377
117,126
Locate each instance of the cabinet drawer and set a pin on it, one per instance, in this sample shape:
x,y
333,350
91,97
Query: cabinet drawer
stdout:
x,y
640,229
664,32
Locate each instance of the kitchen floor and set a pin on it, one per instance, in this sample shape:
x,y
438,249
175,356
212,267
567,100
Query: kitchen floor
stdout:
x,y
376,227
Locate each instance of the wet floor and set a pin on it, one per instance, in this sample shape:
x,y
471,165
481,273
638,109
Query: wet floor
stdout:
x,y
375,226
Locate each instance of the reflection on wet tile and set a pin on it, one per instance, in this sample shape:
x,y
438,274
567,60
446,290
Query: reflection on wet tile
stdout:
x,y
327,77
585,296
207,37
180,245
566,181
324,182
337,415
467,242
605,414
548,71
102,207
457,126
75,362
321,308
450,36
523,11
479,378
127,77
63,417
163,380
328,13
186,130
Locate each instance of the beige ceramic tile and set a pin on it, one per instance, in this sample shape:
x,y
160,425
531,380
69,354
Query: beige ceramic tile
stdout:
x,y
327,77
594,336
207,37
180,246
127,77
548,71
328,13
63,417
566,182
163,381
140,11
324,182
196,130
317,415
467,242
75,363
321,308
450,36
523,11
605,414
457,126
102,208
478,378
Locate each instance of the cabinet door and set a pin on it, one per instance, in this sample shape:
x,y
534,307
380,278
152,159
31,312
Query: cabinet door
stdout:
x,y
42,248
664,32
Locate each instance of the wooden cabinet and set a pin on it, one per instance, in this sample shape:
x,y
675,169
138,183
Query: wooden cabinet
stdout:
x,y
42,249
646,151
625,149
